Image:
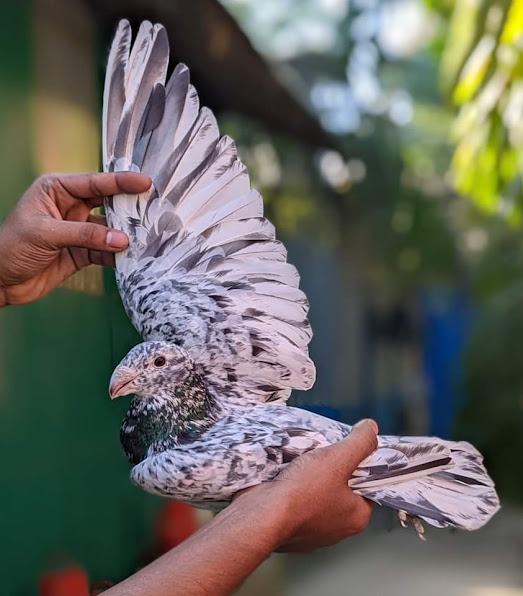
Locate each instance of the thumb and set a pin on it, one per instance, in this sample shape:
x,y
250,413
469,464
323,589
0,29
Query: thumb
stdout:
x,y
66,234
361,442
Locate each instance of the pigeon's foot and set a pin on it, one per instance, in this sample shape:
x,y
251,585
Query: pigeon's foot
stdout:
x,y
408,520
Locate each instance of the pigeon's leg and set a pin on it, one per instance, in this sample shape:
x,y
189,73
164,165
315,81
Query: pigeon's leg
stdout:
x,y
415,522
418,526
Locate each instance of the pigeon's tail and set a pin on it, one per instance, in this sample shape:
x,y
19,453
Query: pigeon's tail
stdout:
x,y
441,482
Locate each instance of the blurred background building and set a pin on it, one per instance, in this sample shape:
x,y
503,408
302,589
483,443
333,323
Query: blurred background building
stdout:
x,y
386,138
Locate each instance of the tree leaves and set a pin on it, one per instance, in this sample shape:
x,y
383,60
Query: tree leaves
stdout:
x,y
482,73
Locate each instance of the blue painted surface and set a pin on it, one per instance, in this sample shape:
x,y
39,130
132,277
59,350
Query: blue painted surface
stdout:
x,y
318,274
447,319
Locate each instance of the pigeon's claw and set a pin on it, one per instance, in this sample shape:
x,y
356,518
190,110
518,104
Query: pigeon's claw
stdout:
x,y
415,522
403,517
418,526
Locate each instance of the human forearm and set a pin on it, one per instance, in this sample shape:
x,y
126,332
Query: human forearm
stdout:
x,y
217,559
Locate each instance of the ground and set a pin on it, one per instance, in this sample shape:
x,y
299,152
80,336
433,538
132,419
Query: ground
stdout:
x,y
395,562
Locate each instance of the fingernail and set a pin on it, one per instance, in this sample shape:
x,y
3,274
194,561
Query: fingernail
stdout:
x,y
116,239
370,422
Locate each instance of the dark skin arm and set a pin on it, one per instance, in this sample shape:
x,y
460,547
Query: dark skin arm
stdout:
x,y
51,233
307,506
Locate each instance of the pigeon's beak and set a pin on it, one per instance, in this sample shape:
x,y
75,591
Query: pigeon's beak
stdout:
x,y
122,382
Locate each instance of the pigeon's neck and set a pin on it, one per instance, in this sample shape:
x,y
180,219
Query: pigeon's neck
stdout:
x,y
173,415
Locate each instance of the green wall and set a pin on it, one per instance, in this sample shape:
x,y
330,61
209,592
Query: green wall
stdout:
x,y
65,494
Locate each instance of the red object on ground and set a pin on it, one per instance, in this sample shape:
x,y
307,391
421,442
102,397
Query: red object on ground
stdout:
x,y
72,581
177,521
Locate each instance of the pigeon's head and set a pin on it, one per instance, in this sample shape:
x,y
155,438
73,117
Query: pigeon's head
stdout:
x,y
149,369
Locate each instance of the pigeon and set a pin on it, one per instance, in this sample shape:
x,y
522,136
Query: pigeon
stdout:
x,y
224,324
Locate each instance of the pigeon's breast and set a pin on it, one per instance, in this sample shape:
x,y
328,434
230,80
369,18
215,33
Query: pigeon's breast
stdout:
x,y
249,446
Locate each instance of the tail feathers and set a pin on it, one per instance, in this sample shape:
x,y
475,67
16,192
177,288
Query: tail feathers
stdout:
x,y
396,463
441,482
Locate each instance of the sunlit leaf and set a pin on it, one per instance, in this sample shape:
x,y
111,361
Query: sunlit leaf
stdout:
x,y
488,131
513,29
466,28
508,164
474,70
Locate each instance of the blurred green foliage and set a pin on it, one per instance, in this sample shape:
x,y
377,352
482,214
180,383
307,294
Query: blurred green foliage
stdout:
x,y
394,218
492,417
482,74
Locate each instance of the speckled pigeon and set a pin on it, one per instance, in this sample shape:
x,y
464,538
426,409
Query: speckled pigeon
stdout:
x,y
224,324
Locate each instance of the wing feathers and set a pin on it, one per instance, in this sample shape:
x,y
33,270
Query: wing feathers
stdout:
x,y
147,67
200,229
162,139
114,92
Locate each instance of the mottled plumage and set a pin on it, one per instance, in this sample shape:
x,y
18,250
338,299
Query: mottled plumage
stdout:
x,y
224,324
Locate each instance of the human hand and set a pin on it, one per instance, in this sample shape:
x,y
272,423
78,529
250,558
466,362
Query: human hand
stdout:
x,y
318,508
50,234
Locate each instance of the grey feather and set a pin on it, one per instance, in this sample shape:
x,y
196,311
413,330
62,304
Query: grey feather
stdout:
x,y
114,93
162,139
151,119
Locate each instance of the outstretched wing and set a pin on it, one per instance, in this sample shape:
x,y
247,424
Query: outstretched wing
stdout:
x,y
204,268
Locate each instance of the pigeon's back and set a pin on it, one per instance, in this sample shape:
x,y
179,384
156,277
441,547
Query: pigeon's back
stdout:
x,y
203,269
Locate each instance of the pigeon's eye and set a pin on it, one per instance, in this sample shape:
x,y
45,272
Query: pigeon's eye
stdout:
x,y
159,362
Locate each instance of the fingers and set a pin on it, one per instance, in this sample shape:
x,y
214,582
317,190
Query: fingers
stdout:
x,y
93,236
93,185
98,257
361,442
